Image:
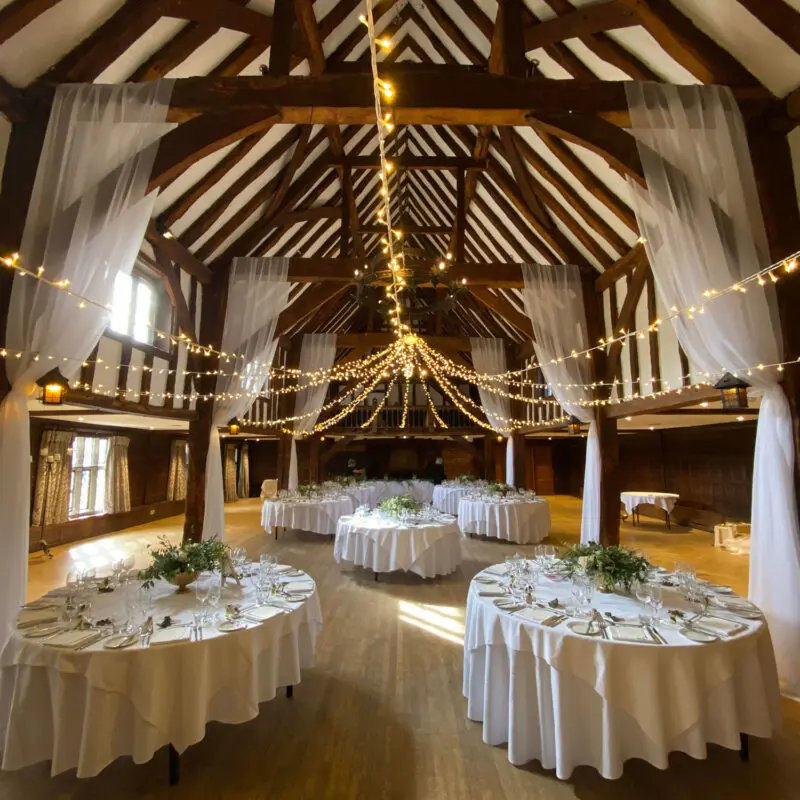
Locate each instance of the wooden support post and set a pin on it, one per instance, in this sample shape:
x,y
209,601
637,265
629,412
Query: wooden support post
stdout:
x,y
215,300
519,460
461,214
489,448
313,459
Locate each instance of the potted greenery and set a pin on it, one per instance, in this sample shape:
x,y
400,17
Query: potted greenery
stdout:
x,y
180,564
466,480
613,567
397,506
500,489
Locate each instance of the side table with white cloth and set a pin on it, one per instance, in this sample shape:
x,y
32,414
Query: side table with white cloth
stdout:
x,y
71,701
427,548
314,516
663,500
515,520
568,700
447,498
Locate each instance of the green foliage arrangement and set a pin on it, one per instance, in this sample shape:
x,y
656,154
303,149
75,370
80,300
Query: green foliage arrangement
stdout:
x,y
501,489
170,560
616,567
308,489
395,506
466,479
348,480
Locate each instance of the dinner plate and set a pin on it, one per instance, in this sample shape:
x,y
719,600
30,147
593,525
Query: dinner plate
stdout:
x,y
720,589
696,635
229,625
119,641
582,628
40,633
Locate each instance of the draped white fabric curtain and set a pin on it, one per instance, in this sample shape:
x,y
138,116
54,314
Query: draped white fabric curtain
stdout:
x,y
702,221
554,304
258,291
88,214
317,352
118,485
489,358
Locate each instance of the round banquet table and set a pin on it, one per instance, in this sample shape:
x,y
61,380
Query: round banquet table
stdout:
x,y
663,500
446,498
383,545
315,516
520,521
421,491
567,700
366,494
83,708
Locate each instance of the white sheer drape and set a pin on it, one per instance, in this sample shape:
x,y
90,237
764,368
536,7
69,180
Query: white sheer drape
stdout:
x,y
489,358
257,293
554,304
88,214
701,217
317,352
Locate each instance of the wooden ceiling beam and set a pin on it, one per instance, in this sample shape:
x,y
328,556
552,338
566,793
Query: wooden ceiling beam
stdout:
x,y
621,268
527,186
180,254
287,175
688,45
308,302
580,22
626,319
503,308
454,33
164,267
222,14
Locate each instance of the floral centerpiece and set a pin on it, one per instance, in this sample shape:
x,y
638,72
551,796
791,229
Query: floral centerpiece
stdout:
x,y
500,489
397,506
181,563
308,490
613,566
348,480
465,480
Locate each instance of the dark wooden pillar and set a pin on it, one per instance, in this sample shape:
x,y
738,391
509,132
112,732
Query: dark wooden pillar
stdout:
x,y
212,321
314,447
606,428
489,450
519,461
772,162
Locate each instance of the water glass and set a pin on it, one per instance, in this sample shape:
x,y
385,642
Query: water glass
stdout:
x,y
239,557
214,596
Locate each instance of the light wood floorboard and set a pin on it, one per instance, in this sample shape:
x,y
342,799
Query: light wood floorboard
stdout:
x,y
381,715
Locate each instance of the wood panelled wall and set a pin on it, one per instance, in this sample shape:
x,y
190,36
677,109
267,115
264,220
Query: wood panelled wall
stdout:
x,y
148,465
710,467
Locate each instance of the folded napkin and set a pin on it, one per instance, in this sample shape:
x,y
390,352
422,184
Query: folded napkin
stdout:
x,y
281,568
496,569
170,635
299,586
29,617
628,633
719,626
536,614
486,580
263,612
42,602
488,592
72,639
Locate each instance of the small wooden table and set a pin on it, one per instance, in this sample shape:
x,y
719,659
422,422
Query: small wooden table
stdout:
x,y
633,499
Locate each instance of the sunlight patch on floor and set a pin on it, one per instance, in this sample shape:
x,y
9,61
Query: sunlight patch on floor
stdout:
x,y
445,622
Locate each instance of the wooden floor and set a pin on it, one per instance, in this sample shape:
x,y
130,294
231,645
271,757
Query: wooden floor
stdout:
x,y
381,715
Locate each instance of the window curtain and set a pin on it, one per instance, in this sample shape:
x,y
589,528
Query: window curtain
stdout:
x,y
489,358
317,352
60,472
553,297
176,482
702,221
118,485
258,291
244,471
229,474
88,214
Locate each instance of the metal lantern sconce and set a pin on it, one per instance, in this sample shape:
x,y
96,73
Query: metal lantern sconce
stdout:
x,y
233,426
733,391
574,426
53,385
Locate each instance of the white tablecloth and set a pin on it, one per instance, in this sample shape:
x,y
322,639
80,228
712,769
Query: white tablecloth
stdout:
x,y
421,491
446,498
567,700
520,521
665,500
83,709
317,516
428,549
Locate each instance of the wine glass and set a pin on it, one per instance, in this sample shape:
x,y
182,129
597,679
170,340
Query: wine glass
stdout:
x,y
656,601
214,596
239,557
201,593
643,592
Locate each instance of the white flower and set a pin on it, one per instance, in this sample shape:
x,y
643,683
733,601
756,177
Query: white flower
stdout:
x,y
583,562
182,556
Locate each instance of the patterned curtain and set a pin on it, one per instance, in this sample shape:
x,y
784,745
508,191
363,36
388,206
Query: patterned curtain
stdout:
x,y
229,473
244,471
176,483
60,470
118,489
